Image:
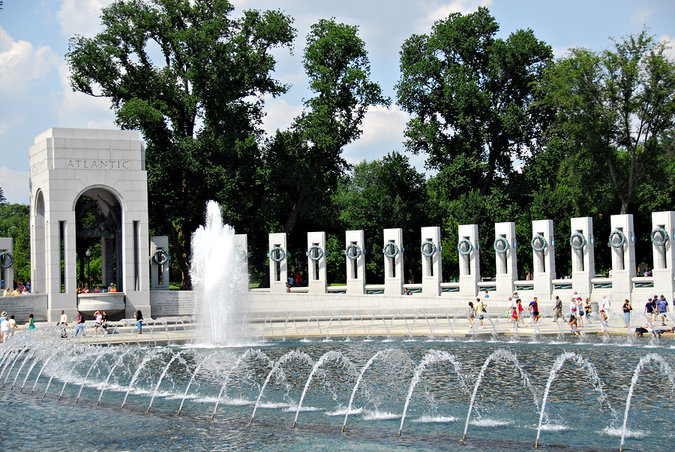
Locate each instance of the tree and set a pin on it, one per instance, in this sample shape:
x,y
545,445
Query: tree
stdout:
x,y
306,162
198,107
613,112
386,193
2,197
469,95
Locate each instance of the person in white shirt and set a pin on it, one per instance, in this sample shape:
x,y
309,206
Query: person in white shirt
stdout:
x,y
4,327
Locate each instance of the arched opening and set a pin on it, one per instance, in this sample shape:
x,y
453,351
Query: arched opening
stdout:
x,y
99,240
39,283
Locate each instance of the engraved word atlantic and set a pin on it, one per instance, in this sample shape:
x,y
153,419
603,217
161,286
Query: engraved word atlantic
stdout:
x,y
98,164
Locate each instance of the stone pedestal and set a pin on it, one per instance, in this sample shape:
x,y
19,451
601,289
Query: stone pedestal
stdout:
x,y
278,264
469,259
393,266
159,274
355,257
543,257
663,270
7,274
583,259
506,263
431,262
622,245
316,262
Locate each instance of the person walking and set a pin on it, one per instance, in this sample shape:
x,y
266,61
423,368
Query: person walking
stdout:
x,y
138,315
64,324
573,308
574,329
480,310
80,324
12,325
603,322
557,309
4,327
514,314
104,321
580,311
662,306
519,304
588,308
472,314
31,322
534,311
650,309
98,319
626,312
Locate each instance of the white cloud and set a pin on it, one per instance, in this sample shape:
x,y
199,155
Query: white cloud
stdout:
x,y
562,52
21,64
641,16
442,12
279,114
9,120
81,110
15,185
382,133
670,44
81,16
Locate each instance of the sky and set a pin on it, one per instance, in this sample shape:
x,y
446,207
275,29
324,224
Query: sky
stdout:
x,y
35,92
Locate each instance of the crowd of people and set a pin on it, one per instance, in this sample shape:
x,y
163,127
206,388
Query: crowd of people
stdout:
x,y
100,323
20,289
295,280
81,288
579,312
8,325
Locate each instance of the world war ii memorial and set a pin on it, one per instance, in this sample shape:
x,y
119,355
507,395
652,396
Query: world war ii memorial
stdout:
x,y
321,321
315,329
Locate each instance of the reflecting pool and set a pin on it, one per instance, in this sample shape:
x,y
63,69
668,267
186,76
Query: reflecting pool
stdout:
x,y
353,395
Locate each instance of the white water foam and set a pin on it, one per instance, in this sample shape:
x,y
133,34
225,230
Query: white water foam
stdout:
x,y
616,431
273,405
380,416
294,408
491,423
236,402
435,419
343,410
554,428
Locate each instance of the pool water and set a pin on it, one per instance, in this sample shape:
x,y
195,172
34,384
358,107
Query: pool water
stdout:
x,y
584,410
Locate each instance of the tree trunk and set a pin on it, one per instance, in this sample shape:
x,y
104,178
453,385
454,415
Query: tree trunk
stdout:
x,y
181,253
293,217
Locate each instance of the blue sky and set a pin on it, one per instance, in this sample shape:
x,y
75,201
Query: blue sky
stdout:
x,y
35,94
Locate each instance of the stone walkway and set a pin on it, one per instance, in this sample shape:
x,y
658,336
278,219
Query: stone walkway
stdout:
x,y
433,326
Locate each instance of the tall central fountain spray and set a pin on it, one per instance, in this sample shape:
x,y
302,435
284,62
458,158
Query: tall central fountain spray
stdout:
x,y
219,281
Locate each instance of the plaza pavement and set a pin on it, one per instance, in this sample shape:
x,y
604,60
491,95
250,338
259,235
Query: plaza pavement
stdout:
x,y
430,326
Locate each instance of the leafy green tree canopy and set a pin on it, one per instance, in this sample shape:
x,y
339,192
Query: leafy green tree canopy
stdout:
x,y
191,78
468,93
613,110
306,161
385,193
